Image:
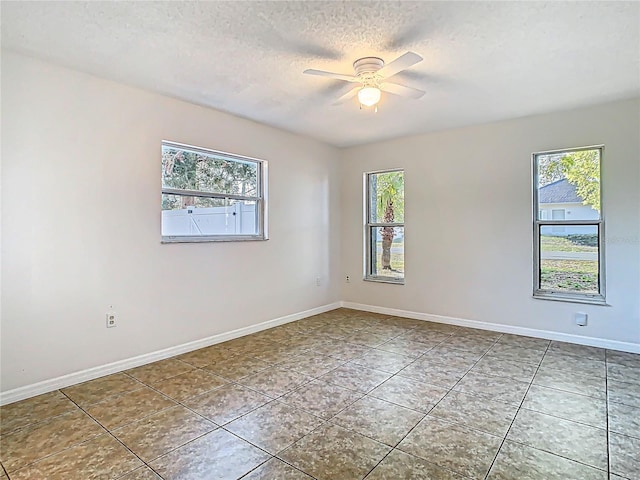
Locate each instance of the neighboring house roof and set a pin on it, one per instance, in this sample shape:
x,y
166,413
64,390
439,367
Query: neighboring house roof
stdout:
x,y
560,191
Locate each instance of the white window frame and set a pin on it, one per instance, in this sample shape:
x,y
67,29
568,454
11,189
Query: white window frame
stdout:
x,y
547,294
368,225
260,198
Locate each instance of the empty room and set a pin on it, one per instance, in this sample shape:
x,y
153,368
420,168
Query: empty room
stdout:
x,y
330,240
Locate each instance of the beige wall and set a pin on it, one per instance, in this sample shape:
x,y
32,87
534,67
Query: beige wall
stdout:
x,y
81,225
89,150
469,224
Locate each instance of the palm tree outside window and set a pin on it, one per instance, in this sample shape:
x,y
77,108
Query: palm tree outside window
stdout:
x,y
384,230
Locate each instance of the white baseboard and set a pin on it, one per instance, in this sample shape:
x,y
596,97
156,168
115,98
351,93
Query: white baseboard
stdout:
x,y
45,386
498,327
39,388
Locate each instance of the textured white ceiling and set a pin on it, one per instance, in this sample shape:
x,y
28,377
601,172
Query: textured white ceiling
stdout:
x,y
484,61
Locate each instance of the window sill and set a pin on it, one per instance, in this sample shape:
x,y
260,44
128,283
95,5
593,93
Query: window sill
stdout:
x,y
559,297
396,281
209,239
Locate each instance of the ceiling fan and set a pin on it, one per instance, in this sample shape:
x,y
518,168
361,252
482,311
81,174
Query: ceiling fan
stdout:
x,y
371,74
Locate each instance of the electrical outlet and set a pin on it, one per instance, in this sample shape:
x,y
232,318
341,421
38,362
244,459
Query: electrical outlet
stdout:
x,y
111,320
318,280
348,280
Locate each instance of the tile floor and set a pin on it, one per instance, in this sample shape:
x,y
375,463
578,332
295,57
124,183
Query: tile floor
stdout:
x,y
339,396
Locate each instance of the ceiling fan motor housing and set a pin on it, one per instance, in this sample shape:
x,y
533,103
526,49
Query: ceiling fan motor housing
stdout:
x,y
367,65
371,73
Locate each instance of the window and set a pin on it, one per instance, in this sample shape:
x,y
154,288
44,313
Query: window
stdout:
x,y
211,196
568,225
384,226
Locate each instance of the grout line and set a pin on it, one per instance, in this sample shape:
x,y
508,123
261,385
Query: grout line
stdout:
x,y
222,426
217,426
522,402
560,456
179,403
557,389
114,437
606,390
454,385
564,418
56,452
323,422
277,459
394,447
34,424
504,439
142,467
453,333
328,421
363,395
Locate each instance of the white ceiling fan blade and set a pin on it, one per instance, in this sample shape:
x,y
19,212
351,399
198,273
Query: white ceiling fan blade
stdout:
x,y
338,76
401,63
401,90
347,96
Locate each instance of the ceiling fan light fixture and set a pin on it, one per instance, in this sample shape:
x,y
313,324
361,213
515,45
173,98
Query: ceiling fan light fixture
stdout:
x,y
369,96
371,74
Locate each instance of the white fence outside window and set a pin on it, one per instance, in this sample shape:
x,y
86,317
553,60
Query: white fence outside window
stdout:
x,y
236,219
